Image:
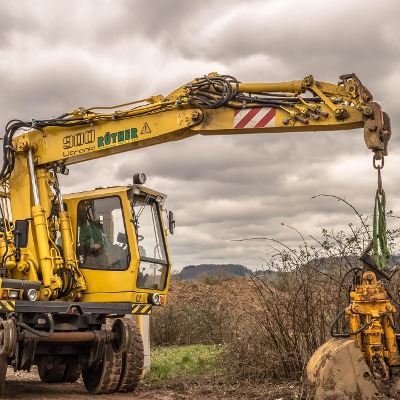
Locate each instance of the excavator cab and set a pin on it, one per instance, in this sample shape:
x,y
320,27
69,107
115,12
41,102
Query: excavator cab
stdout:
x,y
121,243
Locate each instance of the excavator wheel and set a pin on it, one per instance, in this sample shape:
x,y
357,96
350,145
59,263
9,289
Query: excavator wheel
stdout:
x,y
72,373
337,370
51,375
104,378
3,366
3,371
132,360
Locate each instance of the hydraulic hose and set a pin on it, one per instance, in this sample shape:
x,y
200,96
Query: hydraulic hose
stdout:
x,y
357,269
343,335
331,331
3,266
40,333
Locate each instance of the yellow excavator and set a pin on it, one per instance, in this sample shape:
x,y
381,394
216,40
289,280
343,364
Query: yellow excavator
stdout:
x,y
79,271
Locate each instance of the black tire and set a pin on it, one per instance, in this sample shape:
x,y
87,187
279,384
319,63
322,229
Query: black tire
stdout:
x,y
3,371
132,360
105,377
53,375
72,373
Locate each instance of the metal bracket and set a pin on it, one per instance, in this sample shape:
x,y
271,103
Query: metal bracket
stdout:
x,y
370,265
28,352
96,351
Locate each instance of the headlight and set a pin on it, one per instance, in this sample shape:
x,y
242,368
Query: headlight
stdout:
x,y
139,178
30,294
154,299
14,294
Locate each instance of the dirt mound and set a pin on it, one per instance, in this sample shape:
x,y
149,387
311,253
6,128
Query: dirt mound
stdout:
x,y
236,293
196,313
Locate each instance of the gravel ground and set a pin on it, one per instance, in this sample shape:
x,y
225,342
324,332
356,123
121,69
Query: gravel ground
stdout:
x,y
23,385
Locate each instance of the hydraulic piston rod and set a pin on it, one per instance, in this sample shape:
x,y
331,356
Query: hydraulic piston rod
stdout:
x,y
33,179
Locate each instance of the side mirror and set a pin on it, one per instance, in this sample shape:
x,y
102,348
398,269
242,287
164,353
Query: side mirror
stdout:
x,y
171,222
21,232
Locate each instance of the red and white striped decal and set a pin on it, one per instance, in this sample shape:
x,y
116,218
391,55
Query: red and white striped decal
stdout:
x,y
254,118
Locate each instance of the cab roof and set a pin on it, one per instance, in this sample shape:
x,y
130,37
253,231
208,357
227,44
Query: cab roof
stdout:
x,y
136,189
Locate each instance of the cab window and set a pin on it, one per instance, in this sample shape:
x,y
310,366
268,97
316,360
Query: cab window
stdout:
x,y
153,265
102,241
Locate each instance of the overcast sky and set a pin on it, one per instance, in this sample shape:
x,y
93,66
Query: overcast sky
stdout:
x,y
58,55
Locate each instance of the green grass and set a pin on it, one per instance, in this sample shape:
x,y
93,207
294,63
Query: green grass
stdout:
x,y
183,362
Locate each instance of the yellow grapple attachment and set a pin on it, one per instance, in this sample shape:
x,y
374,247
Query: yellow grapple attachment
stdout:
x,y
364,365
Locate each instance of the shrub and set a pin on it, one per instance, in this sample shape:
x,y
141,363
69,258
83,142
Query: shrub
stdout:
x,y
291,316
298,306
189,323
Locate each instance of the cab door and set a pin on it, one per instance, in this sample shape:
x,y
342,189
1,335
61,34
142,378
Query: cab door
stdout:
x,y
104,231
153,253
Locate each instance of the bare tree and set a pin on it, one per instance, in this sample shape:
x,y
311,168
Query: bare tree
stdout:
x,y
221,274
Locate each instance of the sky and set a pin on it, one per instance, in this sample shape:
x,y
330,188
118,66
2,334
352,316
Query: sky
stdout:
x,y
58,55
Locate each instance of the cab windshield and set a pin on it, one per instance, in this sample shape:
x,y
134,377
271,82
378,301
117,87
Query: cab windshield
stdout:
x,y
101,235
153,265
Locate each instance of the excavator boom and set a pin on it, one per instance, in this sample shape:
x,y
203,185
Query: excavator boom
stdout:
x,y
214,105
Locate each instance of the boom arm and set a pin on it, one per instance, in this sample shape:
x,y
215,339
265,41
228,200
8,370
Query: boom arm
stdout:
x,y
213,105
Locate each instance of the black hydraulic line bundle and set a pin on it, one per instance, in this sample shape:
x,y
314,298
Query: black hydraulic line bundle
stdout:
x,y
221,91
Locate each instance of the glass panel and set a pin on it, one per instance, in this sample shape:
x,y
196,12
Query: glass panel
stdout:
x,y
151,245
102,240
148,230
151,276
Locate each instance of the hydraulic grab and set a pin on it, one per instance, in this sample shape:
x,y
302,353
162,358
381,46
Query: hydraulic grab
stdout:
x,y
74,267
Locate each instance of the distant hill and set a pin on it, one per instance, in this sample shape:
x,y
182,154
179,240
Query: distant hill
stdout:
x,y
219,271
227,271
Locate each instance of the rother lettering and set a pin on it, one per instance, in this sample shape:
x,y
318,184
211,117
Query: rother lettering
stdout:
x,y
116,138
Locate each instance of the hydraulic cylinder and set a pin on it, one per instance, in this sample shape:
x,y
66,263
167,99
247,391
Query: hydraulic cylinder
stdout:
x,y
66,237
39,220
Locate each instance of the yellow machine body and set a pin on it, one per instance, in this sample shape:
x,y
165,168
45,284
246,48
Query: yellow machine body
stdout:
x,y
371,308
31,187
104,252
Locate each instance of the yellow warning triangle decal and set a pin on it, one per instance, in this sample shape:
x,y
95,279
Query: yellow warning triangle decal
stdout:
x,y
146,128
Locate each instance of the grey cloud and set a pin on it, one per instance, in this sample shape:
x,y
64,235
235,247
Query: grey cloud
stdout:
x,y
13,22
